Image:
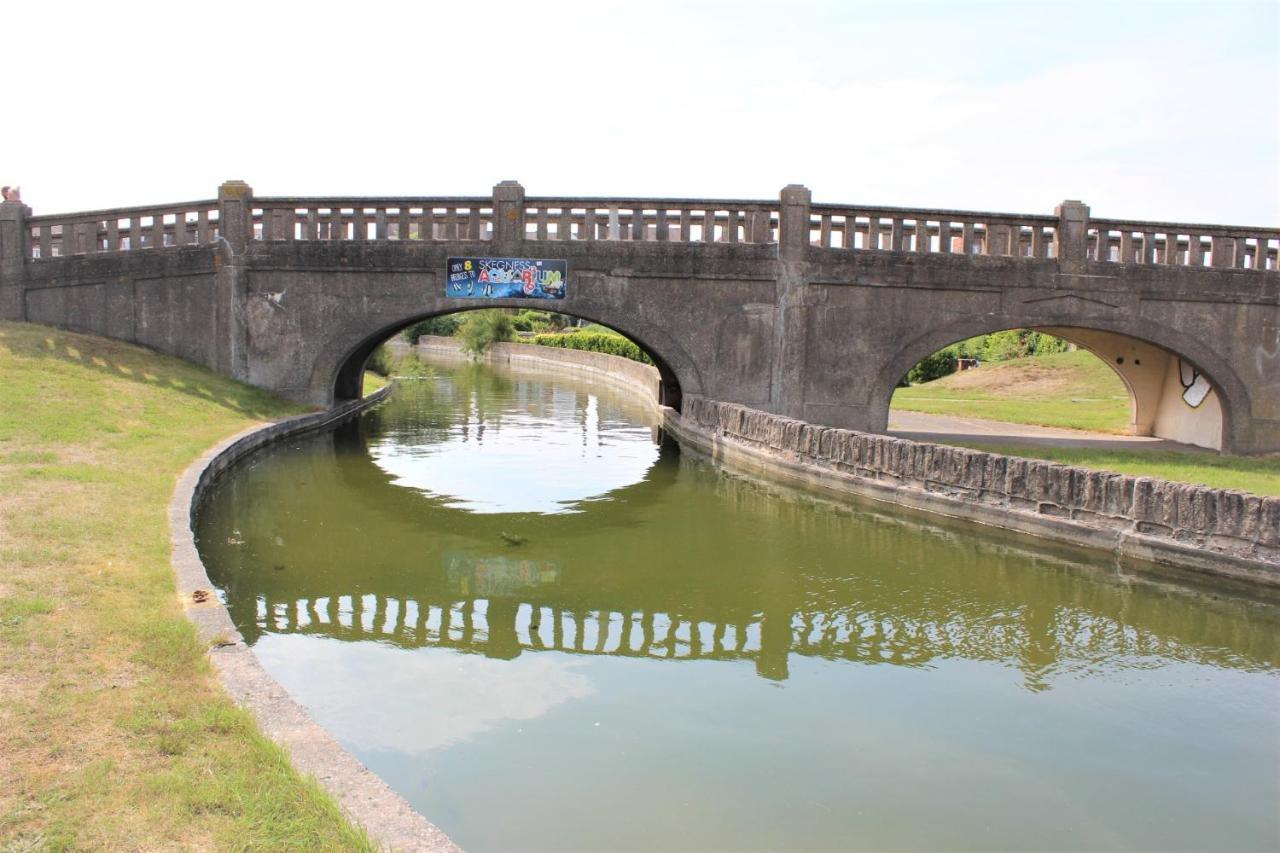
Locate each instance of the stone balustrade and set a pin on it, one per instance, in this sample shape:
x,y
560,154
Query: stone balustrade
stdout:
x,y
691,221
896,229
652,220
123,229
1172,244
367,219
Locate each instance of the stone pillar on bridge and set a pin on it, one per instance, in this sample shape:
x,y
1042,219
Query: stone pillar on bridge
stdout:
x,y
1073,235
15,249
791,327
235,228
508,217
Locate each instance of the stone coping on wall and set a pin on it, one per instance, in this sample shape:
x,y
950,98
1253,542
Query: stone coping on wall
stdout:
x,y
363,796
1218,532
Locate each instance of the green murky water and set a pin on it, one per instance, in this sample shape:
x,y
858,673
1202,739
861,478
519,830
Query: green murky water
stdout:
x,y
548,629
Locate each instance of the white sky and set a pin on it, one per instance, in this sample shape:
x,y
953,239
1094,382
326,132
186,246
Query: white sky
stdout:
x,y
1156,110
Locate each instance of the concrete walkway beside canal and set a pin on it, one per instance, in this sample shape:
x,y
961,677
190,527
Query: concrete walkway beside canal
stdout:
x,y
951,429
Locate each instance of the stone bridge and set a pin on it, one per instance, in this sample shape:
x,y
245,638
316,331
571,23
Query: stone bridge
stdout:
x,y
814,311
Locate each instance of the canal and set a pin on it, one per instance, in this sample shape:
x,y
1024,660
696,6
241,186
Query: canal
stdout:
x,y
549,628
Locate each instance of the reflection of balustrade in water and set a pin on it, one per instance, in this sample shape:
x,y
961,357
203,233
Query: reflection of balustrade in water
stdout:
x,y
506,627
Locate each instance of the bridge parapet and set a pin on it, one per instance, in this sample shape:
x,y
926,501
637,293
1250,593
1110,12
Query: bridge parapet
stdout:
x,y
363,219
1173,244
124,228
898,229
693,221
652,220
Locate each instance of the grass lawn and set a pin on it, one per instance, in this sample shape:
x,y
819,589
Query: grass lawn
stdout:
x,y
114,732
1066,389
373,382
1260,475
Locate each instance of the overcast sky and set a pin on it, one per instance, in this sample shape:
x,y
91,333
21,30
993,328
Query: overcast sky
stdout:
x,y
1156,110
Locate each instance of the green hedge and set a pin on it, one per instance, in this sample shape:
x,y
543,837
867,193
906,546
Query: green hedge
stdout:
x,y
610,344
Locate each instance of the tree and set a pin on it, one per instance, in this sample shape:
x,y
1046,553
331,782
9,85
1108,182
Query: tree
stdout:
x,y
481,329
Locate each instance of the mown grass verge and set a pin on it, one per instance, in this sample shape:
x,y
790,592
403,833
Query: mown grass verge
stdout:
x,y
1075,390
114,732
1260,475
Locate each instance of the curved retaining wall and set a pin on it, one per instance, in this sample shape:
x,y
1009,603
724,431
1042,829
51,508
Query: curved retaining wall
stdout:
x,y
1213,531
1219,532
614,369
362,795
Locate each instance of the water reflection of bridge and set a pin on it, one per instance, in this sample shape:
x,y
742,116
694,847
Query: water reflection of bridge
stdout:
x,y
504,628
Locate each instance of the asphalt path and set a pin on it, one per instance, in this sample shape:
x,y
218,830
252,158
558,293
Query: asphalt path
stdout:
x,y
950,429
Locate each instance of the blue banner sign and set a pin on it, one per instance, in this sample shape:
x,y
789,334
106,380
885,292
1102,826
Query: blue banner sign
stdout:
x,y
506,278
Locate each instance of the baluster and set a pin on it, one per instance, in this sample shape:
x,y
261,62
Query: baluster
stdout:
x,y
686,226
998,239
660,224
113,237
1240,246
1172,249
923,245
1148,248
540,219
637,223
473,224
944,236
1126,246
1195,251
824,230
565,229
402,223
895,234
733,220
969,235
312,229
427,229
135,233
873,232
380,223
708,226
46,241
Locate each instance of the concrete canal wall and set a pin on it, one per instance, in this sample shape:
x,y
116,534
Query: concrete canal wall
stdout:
x,y
1213,531
623,372
362,795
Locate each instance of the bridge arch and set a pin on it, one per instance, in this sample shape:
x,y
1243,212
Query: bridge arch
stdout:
x,y
1165,374
339,368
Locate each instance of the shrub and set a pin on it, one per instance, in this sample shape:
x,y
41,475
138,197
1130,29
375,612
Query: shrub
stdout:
x,y
610,343
379,361
444,325
941,363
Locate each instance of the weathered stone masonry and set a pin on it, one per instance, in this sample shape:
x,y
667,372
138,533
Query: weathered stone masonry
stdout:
x,y
1218,531
812,311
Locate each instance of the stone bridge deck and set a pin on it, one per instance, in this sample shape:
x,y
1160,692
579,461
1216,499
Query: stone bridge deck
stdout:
x,y
810,310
